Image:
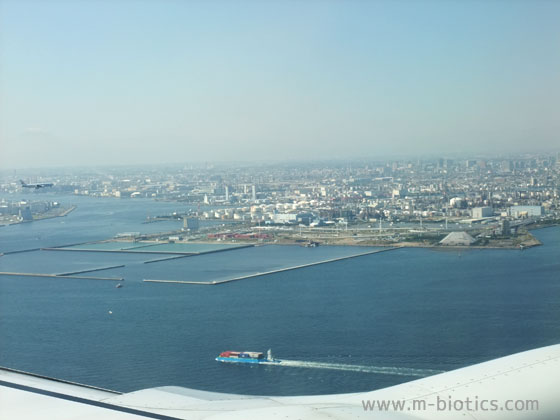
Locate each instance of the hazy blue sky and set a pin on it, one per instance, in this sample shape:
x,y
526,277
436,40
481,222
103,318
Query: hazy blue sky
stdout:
x,y
167,81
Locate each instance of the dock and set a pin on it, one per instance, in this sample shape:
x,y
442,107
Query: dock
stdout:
x,y
266,273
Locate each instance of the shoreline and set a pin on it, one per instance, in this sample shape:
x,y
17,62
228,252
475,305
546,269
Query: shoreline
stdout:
x,y
524,241
64,212
527,243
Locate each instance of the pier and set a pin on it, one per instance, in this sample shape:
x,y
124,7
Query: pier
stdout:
x,y
266,273
145,249
90,270
167,258
122,251
21,251
59,276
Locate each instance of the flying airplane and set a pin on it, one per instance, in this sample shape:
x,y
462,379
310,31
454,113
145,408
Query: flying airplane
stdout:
x,y
36,185
523,386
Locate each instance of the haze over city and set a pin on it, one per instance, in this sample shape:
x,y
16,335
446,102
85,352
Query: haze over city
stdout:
x,y
131,82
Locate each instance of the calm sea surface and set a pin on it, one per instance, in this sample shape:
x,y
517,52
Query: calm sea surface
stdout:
x,y
348,326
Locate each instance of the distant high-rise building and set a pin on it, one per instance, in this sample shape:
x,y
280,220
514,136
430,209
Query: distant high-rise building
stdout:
x,y
227,193
192,223
254,193
25,214
505,228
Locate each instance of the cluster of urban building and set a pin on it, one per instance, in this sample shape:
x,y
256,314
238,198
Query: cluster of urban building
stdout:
x,y
322,194
25,211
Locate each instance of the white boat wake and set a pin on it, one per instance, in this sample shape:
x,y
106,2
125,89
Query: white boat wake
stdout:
x,y
383,370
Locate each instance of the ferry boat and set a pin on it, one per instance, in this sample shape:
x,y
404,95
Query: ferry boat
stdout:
x,y
246,357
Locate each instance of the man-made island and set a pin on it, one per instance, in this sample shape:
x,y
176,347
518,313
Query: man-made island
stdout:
x,y
13,212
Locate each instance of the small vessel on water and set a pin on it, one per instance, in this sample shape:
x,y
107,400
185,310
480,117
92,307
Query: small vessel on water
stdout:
x,y
118,286
246,357
311,244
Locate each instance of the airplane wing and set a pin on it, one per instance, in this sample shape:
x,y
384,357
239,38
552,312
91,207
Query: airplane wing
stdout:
x,y
523,386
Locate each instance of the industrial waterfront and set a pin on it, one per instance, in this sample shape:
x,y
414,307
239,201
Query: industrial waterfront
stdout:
x,y
485,202
407,310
